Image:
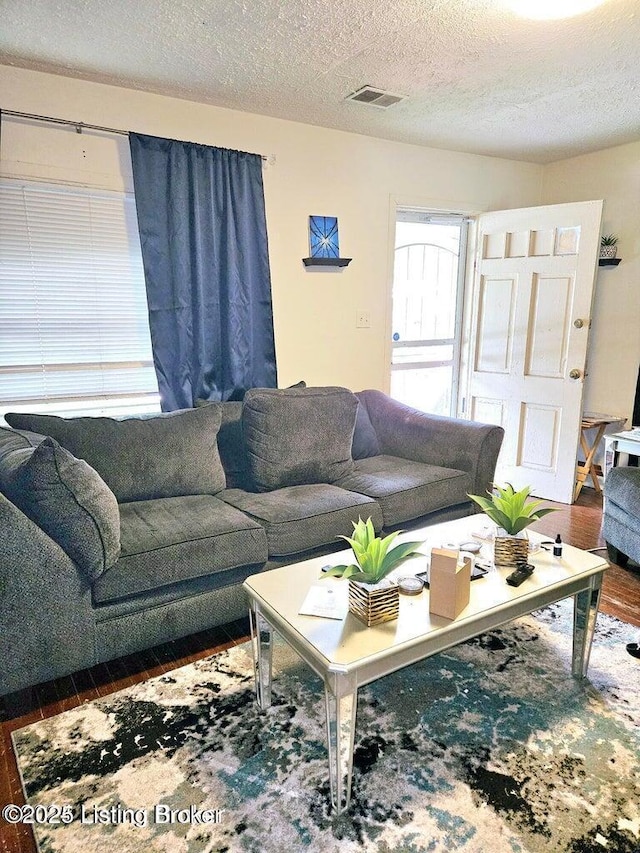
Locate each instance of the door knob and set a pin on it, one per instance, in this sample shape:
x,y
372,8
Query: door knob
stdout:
x,y
575,373
578,323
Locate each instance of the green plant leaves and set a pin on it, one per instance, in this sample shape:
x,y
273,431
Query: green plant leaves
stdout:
x,y
341,571
374,556
509,509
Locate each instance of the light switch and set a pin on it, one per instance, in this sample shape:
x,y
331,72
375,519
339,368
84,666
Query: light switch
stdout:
x,y
363,320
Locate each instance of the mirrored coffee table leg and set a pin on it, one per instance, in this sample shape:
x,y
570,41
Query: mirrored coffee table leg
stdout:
x,y
262,643
341,698
585,612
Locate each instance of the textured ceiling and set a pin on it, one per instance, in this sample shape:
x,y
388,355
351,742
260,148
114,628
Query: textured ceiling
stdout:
x,y
478,78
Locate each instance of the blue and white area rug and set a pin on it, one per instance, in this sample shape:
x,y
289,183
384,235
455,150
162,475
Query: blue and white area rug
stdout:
x,y
491,747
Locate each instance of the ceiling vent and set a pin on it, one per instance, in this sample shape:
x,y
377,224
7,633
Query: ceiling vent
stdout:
x,y
375,97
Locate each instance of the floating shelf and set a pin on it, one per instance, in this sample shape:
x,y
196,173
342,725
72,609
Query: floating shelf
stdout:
x,y
326,262
609,262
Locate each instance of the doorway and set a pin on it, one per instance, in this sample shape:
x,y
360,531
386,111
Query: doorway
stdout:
x,y
428,287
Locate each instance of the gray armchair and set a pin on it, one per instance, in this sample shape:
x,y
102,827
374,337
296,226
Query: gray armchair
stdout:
x,y
621,528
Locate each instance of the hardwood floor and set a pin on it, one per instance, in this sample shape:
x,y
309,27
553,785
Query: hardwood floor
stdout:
x,y
578,525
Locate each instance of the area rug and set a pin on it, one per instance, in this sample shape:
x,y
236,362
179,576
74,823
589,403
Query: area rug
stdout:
x,y
491,747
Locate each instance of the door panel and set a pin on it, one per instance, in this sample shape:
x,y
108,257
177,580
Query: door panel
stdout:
x,y
534,277
539,437
495,325
552,297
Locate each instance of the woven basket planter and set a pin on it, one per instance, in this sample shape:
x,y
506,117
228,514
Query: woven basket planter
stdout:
x,y
608,252
372,604
510,551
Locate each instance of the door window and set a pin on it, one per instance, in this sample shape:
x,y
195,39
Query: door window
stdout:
x,y
427,306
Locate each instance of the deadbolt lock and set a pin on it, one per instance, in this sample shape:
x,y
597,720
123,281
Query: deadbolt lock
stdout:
x,y
578,323
575,373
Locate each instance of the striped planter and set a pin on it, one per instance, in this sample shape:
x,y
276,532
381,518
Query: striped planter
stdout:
x,y
373,604
510,551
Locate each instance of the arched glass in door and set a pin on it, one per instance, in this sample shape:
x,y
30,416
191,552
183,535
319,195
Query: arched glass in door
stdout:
x,y
427,308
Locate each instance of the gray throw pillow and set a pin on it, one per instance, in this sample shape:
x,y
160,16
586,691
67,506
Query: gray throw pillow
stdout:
x,y
67,499
13,439
298,436
161,456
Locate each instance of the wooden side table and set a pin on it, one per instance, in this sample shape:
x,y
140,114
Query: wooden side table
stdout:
x,y
585,469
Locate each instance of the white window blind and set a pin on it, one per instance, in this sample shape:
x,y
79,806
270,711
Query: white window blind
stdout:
x,y
74,328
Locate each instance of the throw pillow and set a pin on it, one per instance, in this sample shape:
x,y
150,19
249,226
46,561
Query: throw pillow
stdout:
x,y
13,439
161,456
67,499
298,436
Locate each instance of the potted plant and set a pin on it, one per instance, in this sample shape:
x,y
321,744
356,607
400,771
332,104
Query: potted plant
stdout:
x,y
370,599
608,246
513,514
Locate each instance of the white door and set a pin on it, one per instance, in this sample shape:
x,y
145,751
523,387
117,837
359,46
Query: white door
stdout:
x,y
531,311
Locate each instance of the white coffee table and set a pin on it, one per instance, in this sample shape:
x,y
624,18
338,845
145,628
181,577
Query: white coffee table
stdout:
x,y
347,655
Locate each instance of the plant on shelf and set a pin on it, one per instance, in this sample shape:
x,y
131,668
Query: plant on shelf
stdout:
x,y
374,557
512,513
608,246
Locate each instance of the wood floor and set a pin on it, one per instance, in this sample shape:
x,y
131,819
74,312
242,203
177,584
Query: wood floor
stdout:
x,y
578,525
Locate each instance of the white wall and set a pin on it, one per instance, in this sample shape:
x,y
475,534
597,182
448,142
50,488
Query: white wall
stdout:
x,y
317,171
613,175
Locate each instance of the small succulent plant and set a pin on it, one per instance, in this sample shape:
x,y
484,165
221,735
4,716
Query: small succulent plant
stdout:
x,y
609,240
374,556
509,509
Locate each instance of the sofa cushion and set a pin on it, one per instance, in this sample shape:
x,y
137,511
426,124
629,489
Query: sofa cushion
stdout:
x,y
169,540
405,489
16,439
233,453
68,500
300,518
622,489
365,440
298,436
142,458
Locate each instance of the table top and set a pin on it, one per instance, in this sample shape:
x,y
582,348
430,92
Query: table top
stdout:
x,y
347,645
591,421
625,435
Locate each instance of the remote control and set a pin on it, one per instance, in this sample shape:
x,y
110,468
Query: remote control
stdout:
x,y
521,574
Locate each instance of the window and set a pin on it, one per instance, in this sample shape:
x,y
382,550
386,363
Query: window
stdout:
x,y
74,329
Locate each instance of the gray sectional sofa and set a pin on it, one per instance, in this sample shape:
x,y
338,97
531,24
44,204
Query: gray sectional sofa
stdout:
x,y
121,534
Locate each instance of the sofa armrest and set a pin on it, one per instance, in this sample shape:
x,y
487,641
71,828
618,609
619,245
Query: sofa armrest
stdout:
x,y
45,606
435,440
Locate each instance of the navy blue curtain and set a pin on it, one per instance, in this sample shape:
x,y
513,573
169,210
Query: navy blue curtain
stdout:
x,y
203,234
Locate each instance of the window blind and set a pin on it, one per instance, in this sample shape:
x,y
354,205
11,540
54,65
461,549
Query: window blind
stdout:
x,y
74,329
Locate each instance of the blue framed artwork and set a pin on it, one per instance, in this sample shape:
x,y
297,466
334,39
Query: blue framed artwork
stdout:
x,y
323,237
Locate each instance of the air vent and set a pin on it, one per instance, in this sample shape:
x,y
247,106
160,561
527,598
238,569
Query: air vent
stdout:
x,y
375,97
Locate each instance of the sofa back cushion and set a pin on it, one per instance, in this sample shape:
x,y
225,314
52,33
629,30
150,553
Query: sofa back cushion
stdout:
x,y
365,440
15,439
298,436
67,499
162,456
233,452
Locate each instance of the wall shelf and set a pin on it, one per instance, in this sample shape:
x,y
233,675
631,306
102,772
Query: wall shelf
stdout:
x,y
609,262
326,262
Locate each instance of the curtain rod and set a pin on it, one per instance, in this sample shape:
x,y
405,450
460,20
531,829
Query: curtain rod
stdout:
x,y
80,126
